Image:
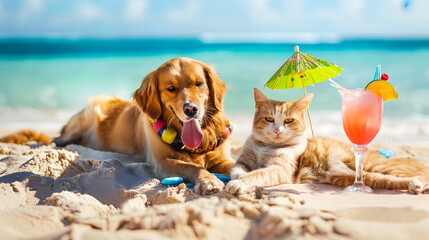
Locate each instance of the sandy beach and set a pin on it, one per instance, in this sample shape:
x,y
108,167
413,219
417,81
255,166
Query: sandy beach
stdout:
x,y
79,193
55,57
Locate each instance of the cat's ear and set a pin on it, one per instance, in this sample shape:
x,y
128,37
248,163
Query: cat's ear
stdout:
x,y
303,102
259,97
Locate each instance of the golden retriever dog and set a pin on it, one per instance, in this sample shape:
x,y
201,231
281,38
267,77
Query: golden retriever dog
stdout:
x,y
176,123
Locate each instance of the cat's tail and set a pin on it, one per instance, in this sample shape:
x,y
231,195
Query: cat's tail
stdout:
x,y
400,167
25,136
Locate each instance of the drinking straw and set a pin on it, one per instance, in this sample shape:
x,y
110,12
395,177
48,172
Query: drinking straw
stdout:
x,y
377,74
334,84
338,86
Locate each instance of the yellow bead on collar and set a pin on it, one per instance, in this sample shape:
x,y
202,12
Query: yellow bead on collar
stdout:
x,y
169,135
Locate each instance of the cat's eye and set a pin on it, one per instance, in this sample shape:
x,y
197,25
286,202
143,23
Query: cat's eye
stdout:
x,y
288,120
269,119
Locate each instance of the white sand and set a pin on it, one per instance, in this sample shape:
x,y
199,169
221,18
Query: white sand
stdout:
x,y
80,193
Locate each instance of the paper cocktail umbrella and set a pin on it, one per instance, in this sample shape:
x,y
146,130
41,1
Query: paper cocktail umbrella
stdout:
x,y
302,70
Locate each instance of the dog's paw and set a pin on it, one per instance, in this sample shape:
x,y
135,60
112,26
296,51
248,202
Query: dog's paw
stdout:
x,y
416,186
237,187
207,186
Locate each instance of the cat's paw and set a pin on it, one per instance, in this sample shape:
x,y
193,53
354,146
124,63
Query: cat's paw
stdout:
x,y
237,175
426,189
237,187
416,186
207,186
237,171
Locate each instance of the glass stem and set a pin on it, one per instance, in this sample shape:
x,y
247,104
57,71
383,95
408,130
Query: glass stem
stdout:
x,y
359,151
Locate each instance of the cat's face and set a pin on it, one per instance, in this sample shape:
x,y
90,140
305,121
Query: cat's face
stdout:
x,y
279,122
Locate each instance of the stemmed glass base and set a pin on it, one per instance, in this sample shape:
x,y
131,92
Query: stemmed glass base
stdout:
x,y
358,186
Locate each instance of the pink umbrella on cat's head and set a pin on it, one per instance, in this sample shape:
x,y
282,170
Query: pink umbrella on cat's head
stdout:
x,y
302,70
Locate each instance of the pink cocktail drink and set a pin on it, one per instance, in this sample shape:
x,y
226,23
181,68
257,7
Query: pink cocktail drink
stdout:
x,y
362,115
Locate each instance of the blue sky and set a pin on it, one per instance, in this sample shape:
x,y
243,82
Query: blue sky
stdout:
x,y
277,19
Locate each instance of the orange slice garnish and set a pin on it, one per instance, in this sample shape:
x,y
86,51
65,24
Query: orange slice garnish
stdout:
x,y
383,89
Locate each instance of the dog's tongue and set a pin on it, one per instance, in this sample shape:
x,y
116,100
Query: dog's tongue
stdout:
x,y
192,134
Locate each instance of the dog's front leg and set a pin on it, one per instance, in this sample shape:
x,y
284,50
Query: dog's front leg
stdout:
x,y
205,182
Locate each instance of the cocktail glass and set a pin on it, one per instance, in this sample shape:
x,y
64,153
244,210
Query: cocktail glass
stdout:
x,y
362,114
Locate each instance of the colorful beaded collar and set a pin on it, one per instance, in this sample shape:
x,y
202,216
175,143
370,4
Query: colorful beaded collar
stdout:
x,y
170,136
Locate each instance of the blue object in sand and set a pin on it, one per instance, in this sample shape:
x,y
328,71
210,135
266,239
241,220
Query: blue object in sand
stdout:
x,y
223,178
386,153
172,181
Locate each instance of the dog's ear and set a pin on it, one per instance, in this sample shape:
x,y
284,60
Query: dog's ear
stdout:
x,y
147,96
216,86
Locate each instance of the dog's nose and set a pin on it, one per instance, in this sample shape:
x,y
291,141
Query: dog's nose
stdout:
x,y
190,109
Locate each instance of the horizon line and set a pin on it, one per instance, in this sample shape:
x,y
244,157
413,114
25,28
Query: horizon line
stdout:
x,y
208,38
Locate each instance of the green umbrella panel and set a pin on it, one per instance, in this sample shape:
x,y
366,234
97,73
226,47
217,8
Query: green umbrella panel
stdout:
x,y
302,68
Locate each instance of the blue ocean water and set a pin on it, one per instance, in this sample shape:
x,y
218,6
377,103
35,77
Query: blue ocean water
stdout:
x,y
63,74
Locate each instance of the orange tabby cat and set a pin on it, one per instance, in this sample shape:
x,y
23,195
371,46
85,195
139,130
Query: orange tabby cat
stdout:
x,y
278,152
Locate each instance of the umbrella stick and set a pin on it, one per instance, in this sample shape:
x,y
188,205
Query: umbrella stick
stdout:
x,y
308,110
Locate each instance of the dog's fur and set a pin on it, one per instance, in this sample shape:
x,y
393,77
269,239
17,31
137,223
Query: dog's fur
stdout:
x,y
26,136
110,124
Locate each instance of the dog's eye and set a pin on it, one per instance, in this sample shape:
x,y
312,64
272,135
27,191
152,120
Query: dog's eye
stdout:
x,y
171,89
269,119
198,84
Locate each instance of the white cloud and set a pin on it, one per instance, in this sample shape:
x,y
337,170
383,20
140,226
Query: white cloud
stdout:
x,y
30,8
262,11
348,16
135,10
346,12
83,12
185,14
87,12
285,13
352,10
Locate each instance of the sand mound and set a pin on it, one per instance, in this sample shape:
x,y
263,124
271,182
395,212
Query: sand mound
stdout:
x,y
80,193
50,162
79,205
